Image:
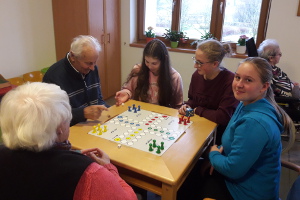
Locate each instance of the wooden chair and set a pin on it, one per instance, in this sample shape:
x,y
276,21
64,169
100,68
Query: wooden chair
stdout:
x,y
16,81
35,76
294,192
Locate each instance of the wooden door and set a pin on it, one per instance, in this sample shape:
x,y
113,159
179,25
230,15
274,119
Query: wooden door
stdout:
x,y
70,20
99,18
97,29
113,46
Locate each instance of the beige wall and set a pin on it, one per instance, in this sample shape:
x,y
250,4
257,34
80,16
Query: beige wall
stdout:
x,y
27,38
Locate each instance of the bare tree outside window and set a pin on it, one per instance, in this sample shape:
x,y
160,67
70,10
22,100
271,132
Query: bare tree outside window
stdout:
x,y
241,18
158,15
195,17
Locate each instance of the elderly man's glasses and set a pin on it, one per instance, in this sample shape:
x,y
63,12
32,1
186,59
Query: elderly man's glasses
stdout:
x,y
198,62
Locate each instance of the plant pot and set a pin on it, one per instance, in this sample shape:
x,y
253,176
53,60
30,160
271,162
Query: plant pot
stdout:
x,y
174,44
240,49
148,39
184,40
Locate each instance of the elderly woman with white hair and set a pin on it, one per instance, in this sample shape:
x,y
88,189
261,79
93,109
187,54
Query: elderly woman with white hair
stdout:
x,y
36,160
281,84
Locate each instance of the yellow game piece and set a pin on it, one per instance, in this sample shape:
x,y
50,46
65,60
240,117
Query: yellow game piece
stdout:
x,y
94,129
105,128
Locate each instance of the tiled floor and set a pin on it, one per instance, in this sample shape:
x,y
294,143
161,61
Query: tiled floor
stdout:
x,y
287,176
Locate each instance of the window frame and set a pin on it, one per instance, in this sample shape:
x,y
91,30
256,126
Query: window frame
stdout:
x,y
216,21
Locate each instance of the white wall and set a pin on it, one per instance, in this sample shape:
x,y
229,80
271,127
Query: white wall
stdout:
x,y
26,36
27,39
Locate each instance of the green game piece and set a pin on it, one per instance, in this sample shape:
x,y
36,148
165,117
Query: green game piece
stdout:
x,y
154,143
158,150
162,146
150,147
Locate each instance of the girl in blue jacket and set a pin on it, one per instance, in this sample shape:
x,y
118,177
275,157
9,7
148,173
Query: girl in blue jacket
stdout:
x,y
247,165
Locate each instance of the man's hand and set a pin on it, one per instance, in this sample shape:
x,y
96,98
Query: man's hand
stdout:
x,y
93,112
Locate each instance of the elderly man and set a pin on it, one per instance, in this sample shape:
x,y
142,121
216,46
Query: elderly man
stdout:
x,y
77,74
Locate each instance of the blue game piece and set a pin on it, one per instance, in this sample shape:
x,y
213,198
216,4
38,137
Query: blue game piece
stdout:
x,y
189,112
139,108
129,109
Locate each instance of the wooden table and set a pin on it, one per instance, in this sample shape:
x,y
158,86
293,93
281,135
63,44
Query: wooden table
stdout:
x,y
162,175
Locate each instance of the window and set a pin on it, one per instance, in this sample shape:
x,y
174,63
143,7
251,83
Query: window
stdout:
x,y
225,19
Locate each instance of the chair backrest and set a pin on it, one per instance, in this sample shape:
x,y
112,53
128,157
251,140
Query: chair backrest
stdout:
x,y
291,106
35,76
251,48
16,81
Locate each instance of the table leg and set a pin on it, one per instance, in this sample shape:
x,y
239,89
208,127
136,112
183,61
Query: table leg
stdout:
x,y
169,192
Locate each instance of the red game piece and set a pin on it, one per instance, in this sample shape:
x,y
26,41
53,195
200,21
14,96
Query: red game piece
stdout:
x,y
180,120
185,122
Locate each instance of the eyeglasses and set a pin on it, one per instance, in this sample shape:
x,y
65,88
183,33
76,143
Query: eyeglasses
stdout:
x,y
198,62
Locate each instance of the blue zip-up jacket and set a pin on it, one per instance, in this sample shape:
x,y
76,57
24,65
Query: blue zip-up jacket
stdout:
x,y
251,158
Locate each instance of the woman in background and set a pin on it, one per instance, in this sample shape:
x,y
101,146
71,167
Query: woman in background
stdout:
x,y
282,86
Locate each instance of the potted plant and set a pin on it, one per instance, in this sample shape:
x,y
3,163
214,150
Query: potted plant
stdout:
x,y
241,45
150,35
204,36
183,38
173,36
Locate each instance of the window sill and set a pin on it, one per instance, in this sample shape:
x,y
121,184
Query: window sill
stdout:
x,y
184,48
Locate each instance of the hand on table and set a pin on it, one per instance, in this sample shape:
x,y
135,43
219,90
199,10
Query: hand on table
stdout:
x,y
93,112
97,155
183,108
121,97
